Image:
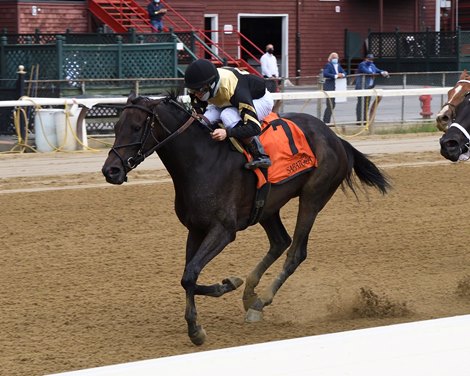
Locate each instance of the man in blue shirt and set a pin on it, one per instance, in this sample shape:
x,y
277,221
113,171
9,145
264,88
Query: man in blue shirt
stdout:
x,y
156,12
367,71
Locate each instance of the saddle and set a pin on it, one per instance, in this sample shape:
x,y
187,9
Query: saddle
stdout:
x,y
286,145
290,154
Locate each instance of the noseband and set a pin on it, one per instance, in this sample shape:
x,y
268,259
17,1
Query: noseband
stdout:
x,y
152,117
465,133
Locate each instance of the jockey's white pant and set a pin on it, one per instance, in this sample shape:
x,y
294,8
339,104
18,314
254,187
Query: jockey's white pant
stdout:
x,y
230,115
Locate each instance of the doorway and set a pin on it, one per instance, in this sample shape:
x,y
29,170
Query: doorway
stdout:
x,y
211,27
263,30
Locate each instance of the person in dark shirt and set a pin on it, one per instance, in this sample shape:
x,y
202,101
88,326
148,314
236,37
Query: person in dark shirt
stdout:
x,y
366,80
156,12
236,98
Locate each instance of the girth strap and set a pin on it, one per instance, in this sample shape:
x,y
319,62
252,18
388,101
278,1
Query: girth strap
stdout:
x,y
260,201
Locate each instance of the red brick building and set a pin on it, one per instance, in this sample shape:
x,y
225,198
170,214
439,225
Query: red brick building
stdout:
x,y
304,32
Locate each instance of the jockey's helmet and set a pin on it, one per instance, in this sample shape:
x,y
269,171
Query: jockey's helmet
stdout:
x,y
201,76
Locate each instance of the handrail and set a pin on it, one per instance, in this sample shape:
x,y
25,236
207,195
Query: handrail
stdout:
x,y
220,47
261,52
179,16
123,15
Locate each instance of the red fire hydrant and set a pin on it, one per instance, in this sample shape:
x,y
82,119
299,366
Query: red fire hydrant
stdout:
x,y
425,106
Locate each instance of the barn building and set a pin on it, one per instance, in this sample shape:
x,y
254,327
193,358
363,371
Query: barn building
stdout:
x,y
303,32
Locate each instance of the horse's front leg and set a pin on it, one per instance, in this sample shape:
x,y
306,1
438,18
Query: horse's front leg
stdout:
x,y
200,250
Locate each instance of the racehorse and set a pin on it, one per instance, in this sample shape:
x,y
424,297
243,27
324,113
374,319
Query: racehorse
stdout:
x,y
214,194
455,96
455,143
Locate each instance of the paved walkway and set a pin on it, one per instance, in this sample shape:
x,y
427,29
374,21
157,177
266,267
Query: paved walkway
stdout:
x,y
41,164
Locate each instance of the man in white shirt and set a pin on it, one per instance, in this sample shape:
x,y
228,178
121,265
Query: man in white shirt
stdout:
x,y
269,68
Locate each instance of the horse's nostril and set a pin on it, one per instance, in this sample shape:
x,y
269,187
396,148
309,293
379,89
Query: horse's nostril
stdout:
x,y
113,171
449,144
452,143
443,119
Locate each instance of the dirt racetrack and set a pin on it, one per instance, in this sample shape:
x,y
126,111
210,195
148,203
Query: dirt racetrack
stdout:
x,y
89,273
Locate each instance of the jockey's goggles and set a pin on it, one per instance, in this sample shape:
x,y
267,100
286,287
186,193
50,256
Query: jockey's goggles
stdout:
x,y
202,90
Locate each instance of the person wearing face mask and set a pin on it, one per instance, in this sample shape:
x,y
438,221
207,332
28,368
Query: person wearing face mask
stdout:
x,y
331,72
366,80
156,11
269,68
237,98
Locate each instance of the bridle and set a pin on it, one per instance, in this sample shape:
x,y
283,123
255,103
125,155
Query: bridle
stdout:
x,y
148,133
452,106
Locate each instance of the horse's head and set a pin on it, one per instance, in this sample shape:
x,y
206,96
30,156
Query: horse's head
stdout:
x,y
455,144
144,126
455,96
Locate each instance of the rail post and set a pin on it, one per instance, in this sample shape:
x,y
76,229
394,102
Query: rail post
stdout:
x,y
20,92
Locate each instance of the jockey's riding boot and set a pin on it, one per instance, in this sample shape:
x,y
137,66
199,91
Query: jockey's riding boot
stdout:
x,y
260,158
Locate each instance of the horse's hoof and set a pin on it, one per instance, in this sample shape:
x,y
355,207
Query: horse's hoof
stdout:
x,y
199,338
253,315
233,282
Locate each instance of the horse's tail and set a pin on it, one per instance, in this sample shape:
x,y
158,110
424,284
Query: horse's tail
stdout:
x,y
367,172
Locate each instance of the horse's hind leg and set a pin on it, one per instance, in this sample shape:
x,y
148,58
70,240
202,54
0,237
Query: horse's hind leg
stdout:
x,y
279,240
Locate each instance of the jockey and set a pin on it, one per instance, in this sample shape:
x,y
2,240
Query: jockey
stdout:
x,y
238,99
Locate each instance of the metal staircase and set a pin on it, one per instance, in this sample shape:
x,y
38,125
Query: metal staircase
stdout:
x,y
122,15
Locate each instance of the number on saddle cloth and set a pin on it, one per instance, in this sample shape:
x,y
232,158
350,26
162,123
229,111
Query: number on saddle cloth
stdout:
x,y
286,145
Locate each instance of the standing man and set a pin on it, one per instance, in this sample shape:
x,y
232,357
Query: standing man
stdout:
x,y
156,12
366,80
331,71
269,68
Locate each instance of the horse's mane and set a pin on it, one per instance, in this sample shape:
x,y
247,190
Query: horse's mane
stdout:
x,y
172,93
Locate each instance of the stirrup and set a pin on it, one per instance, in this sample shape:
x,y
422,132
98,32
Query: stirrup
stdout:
x,y
258,163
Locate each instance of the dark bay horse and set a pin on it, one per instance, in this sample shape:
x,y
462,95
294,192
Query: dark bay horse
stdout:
x,y
214,194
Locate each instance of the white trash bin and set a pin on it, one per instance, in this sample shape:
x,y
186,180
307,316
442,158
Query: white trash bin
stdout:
x,y
45,129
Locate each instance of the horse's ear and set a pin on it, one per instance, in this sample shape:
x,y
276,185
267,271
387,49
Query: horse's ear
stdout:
x,y
464,74
131,97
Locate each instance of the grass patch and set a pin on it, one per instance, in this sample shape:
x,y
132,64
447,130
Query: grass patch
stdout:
x,y
427,127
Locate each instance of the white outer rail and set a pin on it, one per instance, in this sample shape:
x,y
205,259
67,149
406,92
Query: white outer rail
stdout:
x,y
90,102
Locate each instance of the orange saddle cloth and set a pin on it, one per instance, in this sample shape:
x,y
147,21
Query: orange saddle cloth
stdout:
x,y
286,145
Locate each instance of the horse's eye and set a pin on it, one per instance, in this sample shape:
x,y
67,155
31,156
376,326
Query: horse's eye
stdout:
x,y
136,127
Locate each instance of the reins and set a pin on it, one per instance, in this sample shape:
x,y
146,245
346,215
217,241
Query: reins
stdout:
x,y
133,162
